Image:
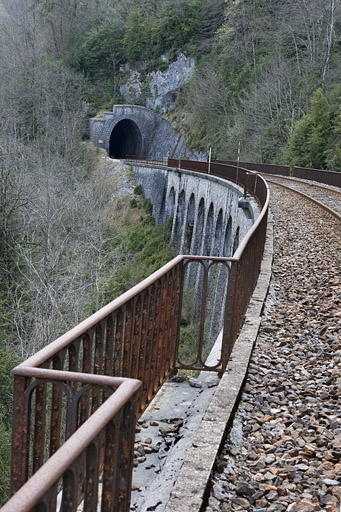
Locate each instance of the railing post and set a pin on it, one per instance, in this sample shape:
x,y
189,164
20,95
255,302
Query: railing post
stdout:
x,y
125,472
229,318
20,435
246,184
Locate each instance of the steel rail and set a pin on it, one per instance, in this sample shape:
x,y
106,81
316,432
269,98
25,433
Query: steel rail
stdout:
x,y
334,190
309,198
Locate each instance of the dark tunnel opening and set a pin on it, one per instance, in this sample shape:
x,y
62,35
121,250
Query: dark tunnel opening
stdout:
x,y
125,140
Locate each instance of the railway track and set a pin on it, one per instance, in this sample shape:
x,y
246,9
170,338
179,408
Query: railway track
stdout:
x,y
283,451
327,197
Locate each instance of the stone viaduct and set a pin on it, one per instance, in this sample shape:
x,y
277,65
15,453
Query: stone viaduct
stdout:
x,y
208,215
207,212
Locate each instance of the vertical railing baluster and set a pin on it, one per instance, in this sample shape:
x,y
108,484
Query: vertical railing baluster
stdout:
x,y
155,346
151,336
110,466
128,337
118,349
143,373
91,477
162,329
167,335
149,312
176,279
56,416
73,364
125,462
69,501
98,366
20,436
83,406
39,427
109,346
136,337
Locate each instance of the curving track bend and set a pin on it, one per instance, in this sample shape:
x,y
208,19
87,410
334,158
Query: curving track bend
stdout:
x,y
329,197
283,452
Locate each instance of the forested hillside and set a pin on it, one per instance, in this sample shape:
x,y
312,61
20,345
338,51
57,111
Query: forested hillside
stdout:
x,y
267,78
271,79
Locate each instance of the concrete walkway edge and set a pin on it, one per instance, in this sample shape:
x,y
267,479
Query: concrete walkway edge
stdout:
x,y
193,481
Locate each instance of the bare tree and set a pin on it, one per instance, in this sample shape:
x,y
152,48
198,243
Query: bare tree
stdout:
x,y
311,26
334,5
59,254
52,234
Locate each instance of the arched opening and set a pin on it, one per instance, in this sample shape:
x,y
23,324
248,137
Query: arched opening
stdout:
x,y
125,140
228,239
190,224
199,228
179,222
208,231
218,234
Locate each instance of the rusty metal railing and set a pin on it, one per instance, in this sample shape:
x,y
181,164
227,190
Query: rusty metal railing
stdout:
x,y
98,449
246,262
76,401
133,337
328,177
282,170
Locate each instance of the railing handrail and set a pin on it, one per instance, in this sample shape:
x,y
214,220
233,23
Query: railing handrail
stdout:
x,y
50,350
39,483
241,247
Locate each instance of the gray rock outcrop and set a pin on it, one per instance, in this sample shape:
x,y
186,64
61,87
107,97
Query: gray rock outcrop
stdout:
x,y
159,90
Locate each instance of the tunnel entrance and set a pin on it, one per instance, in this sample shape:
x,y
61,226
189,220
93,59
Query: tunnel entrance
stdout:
x,y
125,140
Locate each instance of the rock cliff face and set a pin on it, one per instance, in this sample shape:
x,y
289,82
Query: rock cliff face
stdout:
x,y
159,89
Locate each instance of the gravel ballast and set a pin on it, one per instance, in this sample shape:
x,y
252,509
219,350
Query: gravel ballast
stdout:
x,y
283,452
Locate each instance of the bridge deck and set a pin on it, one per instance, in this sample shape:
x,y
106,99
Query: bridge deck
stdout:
x,y
187,422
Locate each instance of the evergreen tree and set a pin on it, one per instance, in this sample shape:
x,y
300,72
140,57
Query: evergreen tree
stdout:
x,y
315,141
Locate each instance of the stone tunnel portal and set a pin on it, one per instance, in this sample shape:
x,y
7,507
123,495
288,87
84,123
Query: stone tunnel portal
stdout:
x,y
125,140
